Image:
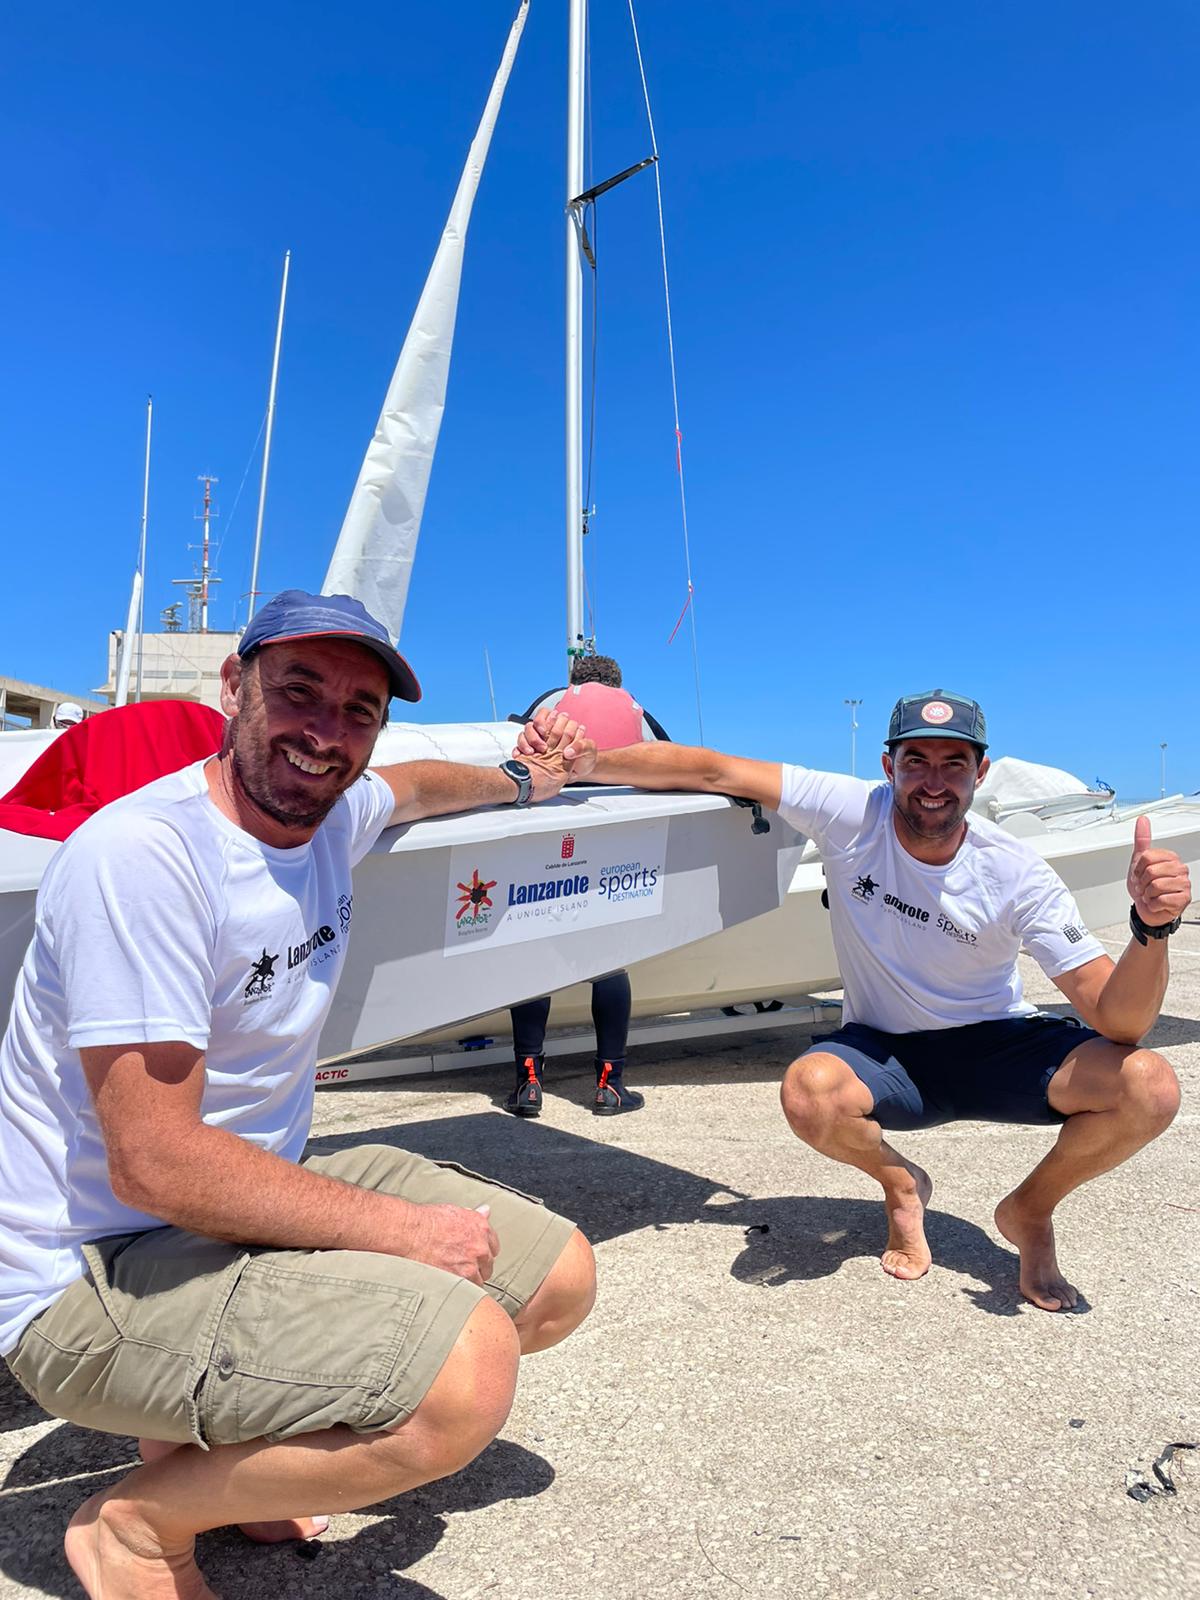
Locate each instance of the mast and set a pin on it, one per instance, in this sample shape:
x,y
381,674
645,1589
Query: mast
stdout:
x,y
574,330
205,517
141,566
266,461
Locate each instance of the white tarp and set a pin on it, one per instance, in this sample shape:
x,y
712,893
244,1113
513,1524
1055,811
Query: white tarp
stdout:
x,y
377,545
1011,781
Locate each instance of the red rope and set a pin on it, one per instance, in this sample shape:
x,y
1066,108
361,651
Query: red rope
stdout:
x,y
682,614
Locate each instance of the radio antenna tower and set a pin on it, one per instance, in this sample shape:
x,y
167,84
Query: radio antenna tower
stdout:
x,y
197,587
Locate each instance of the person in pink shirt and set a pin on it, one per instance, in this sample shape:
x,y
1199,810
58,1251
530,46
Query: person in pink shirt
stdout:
x,y
613,719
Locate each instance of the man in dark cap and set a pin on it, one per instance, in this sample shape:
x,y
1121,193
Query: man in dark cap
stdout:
x,y
285,1337
931,905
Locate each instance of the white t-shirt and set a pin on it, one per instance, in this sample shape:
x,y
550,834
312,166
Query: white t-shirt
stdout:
x,y
931,947
160,920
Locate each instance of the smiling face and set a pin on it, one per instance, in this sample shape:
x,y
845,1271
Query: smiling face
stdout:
x,y
305,717
933,783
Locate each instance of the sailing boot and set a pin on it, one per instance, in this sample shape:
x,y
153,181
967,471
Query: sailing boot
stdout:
x,y
611,1094
526,1098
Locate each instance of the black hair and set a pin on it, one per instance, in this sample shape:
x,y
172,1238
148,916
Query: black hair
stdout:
x,y
596,669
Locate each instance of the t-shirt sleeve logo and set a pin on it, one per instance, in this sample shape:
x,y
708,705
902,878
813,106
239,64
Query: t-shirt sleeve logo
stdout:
x,y
1073,934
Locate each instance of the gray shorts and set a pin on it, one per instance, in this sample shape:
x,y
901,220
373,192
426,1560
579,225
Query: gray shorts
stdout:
x,y
173,1336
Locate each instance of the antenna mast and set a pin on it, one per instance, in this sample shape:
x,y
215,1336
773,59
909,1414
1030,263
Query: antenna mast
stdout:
x,y
197,587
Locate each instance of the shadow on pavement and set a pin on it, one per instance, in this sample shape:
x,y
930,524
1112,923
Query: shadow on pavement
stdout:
x,y
364,1565
17,1410
609,1191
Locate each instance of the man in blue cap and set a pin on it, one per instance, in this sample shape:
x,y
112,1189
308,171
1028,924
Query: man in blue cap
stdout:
x,y
285,1337
931,905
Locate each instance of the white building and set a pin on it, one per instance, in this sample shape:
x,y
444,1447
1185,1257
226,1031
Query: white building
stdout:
x,y
175,666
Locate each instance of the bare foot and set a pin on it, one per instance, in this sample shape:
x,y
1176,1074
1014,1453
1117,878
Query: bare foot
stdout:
x,y
261,1532
1041,1282
907,1254
116,1555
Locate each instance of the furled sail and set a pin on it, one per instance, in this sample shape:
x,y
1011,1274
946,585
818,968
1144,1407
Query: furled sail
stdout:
x,y
375,549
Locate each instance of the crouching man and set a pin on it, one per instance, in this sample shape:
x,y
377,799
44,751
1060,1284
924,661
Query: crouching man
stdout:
x,y
931,905
286,1338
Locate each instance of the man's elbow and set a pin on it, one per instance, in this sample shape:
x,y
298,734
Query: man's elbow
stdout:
x,y
1130,1037
140,1179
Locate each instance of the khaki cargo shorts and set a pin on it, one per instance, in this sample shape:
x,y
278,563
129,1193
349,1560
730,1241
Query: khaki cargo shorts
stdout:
x,y
173,1336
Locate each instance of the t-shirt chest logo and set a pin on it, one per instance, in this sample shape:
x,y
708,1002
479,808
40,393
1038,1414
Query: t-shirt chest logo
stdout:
x,y
864,889
907,912
300,954
262,978
322,944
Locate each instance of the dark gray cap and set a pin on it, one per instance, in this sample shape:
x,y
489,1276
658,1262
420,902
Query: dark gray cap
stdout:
x,y
937,715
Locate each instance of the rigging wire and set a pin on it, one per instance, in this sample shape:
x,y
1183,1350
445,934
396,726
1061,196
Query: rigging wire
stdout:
x,y
689,608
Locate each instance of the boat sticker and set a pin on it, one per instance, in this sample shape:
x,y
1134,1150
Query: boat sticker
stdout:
x,y
540,886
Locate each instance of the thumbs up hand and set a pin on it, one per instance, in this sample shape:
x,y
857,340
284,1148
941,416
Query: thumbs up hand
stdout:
x,y
1158,881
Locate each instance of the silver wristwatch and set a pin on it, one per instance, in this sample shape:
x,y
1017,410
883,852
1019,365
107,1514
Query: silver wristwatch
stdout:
x,y
522,777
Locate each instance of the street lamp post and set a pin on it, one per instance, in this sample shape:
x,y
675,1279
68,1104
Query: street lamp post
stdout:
x,y
854,705
1162,771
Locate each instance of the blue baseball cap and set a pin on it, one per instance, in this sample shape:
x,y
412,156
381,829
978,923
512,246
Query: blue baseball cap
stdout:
x,y
937,715
296,614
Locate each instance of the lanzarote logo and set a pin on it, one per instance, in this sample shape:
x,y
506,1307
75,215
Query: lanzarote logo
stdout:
x,y
474,900
568,846
262,976
864,888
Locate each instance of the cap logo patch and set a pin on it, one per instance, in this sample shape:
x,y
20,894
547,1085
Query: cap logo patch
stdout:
x,y
936,711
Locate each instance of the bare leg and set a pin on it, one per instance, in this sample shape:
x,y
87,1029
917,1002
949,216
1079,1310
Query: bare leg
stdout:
x,y
829,1107
563,1299
261,1532
1116,1098
135,1541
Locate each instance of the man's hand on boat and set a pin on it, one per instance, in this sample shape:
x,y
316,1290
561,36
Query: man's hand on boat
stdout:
x,y
1159,884
663,765
562,754
437,788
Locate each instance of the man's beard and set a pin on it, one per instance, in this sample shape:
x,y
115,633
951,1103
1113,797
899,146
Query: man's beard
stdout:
x,y
930,825
290,808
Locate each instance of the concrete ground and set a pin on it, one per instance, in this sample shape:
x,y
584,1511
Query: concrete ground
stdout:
x,y
754,1407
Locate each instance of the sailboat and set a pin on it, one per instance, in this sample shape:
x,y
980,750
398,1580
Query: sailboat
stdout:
x,y
461,915
457,918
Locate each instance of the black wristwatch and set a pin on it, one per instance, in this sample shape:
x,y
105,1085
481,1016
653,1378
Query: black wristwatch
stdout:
x,y
522,777
1142,931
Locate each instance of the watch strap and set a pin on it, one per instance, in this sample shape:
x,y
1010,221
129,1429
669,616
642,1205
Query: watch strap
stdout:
x,y
1144,931
522,777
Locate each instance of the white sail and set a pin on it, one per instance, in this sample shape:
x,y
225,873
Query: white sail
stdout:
x,y
375,549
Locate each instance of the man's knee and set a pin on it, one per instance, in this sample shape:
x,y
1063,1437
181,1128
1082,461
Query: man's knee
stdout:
x,y
819,1088
468,1402
563,1299
1149,1088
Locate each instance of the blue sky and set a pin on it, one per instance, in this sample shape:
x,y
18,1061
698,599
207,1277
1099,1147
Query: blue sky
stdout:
x,y
934,272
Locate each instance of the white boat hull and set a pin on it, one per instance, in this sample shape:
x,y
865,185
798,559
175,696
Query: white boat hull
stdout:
x,y
726,932
787,953
409,969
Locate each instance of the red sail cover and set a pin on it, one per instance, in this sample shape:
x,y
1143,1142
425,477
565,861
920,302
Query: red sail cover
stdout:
x,y
104,757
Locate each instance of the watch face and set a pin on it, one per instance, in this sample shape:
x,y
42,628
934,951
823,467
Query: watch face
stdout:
x,y
517,768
